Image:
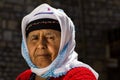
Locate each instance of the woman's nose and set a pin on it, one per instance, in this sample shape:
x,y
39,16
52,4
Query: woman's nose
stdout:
x,y
42,44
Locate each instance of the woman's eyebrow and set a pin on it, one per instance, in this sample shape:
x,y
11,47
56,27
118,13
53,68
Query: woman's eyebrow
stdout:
x,y
33,36
49,33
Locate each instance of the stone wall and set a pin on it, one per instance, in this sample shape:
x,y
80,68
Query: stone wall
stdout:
x,y
93,20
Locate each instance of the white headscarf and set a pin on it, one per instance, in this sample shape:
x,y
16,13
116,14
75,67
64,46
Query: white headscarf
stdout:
x,y
67,58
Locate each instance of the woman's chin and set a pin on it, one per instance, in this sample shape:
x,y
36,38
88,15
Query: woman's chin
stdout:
x,y
43,64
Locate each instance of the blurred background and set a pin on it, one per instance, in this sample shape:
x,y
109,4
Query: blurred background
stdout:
x,y
97,34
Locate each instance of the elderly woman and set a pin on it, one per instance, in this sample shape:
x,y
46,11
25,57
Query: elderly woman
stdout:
x,y
48,47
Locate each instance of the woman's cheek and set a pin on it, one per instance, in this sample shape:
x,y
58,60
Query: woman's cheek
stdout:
x,y
31,51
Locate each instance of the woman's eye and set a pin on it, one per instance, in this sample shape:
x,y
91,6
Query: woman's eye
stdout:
x,y
50,37
34,38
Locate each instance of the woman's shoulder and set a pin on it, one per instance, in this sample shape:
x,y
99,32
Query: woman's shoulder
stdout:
x,y
79,73
25,75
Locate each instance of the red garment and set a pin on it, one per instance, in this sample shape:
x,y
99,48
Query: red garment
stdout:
x,y
78,73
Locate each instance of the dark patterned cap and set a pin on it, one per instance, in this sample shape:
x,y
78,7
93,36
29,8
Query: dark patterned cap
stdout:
x,y
44,23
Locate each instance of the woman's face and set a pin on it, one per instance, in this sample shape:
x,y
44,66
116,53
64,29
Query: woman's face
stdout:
x,y
43,46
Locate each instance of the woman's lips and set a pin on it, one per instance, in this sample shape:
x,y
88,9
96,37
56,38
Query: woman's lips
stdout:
x,y
42,55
